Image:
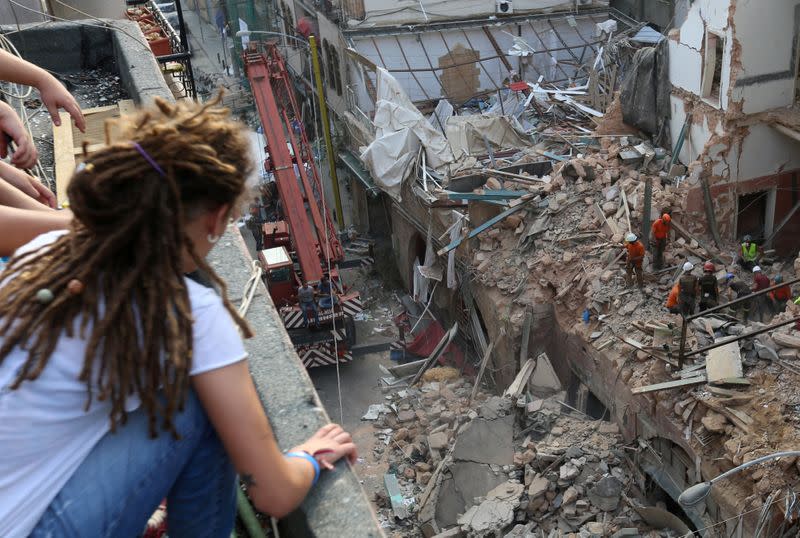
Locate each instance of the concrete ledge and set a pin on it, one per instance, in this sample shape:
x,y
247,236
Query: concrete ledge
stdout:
x,y
138,68
121,48
337,507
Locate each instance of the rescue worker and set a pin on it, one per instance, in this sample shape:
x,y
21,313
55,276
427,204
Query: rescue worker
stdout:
x,y
660,231
749,254
760,305
779,297
633,265
709,292
254,222
740,290
327,294
689,288
305,298
672,299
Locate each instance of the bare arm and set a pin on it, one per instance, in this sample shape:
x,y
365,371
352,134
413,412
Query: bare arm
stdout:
x,y
22,190
21,225
54,94
277,485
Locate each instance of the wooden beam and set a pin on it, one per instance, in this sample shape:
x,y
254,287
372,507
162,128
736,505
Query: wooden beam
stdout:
x,y
487,194
484,361
712,219
783,222
436,353
63,155
669,385
488,224
625,206
517,387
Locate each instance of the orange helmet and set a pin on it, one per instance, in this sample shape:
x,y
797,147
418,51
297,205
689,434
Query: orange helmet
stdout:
x,y
666,218
708,266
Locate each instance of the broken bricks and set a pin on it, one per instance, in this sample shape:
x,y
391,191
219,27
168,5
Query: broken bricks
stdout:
x,y
477,476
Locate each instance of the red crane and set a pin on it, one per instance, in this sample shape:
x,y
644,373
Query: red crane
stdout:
x,y
306,233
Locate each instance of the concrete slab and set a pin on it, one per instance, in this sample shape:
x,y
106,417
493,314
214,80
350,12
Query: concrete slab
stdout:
x,y
487,441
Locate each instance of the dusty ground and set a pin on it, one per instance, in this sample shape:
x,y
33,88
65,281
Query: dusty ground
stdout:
x,y
359,379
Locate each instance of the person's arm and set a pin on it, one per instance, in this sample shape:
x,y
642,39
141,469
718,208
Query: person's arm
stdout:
x,y
54,95
11,129
276,484
18,184
21,225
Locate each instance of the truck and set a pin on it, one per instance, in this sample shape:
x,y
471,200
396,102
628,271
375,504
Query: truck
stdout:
x,y
301,243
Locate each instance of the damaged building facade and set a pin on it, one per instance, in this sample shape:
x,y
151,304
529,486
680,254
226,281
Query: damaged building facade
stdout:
x,y
485,142
734,93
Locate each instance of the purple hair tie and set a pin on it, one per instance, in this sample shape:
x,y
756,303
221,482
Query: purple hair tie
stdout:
x,y
149,159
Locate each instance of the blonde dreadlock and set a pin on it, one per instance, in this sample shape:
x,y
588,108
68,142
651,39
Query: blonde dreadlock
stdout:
x,y
125,247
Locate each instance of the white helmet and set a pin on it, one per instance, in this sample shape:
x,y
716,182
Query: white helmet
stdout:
x,y
688,267
630,237
757,269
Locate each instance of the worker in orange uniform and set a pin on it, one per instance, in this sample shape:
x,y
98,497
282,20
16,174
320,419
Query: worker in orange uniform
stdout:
x,y
635,258
672,299
780,296
660,230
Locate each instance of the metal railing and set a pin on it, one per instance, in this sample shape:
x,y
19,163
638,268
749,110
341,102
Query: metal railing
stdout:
x,y
682,353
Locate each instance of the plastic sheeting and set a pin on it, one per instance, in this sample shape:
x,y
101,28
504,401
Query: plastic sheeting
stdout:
x,y
400,130
468,134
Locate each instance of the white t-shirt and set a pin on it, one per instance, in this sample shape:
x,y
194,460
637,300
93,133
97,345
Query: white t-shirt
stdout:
x,y
45,434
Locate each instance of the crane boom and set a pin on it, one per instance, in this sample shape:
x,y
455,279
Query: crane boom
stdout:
x,y
314,240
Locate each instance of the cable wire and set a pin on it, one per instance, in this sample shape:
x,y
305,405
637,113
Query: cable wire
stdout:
x,y
104,25
327,223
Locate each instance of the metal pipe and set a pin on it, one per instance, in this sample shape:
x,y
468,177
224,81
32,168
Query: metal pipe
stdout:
x,y
725,341
326,130
696,493
741,299
682,352
248,515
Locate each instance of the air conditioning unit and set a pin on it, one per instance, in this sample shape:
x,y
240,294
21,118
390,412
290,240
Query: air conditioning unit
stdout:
x,y
504,7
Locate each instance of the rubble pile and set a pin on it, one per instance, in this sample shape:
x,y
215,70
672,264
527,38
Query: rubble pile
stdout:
x,y
502,469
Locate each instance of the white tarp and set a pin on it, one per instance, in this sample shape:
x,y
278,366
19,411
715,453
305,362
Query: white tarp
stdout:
x,y
400,129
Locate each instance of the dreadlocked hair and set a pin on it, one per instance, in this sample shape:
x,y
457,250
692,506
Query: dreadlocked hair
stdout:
x,y
125,246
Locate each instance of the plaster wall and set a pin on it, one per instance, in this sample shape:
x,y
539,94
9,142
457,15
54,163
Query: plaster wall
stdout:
x,y
767,33
687,47
392,12
765,152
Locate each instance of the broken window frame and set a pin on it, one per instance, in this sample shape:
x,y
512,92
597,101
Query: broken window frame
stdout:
x,y
713,56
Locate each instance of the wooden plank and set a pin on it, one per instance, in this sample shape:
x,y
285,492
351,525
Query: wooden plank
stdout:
x,y
724,362
64,156
526,336
710,216
516,388
489,223
670,385
484,361
436,353
719,391
625,207
395,496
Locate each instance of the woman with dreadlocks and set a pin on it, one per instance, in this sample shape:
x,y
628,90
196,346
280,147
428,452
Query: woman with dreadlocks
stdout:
x,y
123,382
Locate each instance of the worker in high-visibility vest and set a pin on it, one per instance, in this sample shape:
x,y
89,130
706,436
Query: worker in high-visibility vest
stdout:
x,y
660,232
749,254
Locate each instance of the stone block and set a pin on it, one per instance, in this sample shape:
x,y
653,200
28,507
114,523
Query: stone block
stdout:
x,y
487,441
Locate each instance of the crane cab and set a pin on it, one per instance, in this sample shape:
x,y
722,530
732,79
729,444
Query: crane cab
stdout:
x,y
279,273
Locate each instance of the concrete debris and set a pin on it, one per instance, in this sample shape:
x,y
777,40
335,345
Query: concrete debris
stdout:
x,y
505,470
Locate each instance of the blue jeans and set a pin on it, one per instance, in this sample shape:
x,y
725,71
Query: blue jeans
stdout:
x,y
126,475
304,309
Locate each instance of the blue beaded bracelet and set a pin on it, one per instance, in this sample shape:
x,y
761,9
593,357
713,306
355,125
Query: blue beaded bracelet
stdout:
x,y
310,458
